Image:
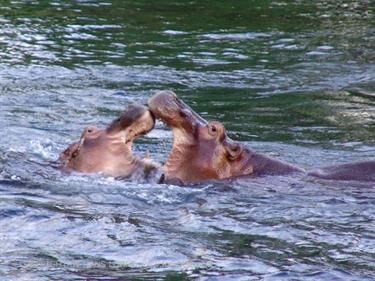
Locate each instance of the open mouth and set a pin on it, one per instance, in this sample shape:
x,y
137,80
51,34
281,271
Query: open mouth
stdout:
x,y
167,107
141,126
133,117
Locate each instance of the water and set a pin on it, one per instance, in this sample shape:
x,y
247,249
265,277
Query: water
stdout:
x,y
287,78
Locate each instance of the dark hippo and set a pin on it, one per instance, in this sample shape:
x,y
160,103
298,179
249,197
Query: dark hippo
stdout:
x,y
109,151
203,151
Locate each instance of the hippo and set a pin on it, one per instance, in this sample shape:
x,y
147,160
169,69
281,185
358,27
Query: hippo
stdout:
x,y
109,151
202,150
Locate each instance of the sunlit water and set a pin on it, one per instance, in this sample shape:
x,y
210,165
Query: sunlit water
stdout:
x,y
292,80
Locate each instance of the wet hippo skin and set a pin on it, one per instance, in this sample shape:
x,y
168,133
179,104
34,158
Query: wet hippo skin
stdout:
x,y
109,151
202,150
360,171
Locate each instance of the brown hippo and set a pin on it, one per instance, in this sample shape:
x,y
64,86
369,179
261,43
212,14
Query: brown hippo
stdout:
x,y
202,150
109,151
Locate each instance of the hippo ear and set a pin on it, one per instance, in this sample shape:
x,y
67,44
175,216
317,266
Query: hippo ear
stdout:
x,y
70,152
234,150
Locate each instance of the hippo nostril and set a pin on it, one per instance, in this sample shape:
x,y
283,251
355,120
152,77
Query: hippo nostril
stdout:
x,y
182,114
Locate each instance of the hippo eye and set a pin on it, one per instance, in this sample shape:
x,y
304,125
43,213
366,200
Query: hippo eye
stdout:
x,y
90,129
217,130
89,132
212,130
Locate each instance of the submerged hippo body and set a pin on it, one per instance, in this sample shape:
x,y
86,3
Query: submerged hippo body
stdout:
x,y
202,151
109,151
359,171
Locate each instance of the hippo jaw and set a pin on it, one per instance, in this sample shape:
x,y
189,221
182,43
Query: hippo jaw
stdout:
x,y
135,121
167,107
184,122
109,151
201,150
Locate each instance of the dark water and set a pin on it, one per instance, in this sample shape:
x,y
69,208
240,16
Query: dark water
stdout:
x,y
289,78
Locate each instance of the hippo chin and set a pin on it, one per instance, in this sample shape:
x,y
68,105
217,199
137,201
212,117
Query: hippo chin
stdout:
x,y
109,151
202,150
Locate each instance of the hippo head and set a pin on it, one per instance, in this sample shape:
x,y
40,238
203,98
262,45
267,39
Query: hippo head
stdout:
x,y
201,150
109,151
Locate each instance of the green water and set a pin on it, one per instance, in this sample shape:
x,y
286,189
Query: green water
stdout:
x,y
225,57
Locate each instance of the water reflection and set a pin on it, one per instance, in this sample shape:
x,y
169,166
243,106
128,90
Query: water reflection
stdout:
x,y
95,32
